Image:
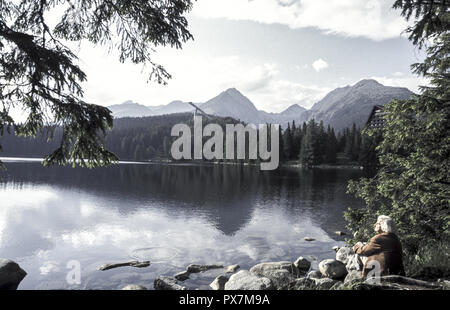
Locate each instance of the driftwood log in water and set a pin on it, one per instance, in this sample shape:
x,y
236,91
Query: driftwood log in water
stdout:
x,y
133,263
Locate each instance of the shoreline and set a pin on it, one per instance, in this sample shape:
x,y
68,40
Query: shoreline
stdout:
x,y
282,165
341,272
290,164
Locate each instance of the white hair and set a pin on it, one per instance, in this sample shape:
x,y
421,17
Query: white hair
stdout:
x,y
386,223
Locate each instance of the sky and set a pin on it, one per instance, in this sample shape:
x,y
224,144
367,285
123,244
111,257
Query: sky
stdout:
x,y
275,52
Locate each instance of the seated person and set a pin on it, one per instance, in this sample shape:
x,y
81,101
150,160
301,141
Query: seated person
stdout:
x,y
384,247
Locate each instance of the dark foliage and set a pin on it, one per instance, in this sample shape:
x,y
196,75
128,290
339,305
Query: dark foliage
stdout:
x,y
39,74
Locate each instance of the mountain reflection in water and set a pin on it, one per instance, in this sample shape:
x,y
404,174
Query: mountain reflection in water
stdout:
x,y
172,215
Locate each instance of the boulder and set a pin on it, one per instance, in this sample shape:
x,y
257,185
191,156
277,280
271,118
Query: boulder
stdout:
x,y
353,263
302,264
134,287
352,276
246,280
10,274
263,268
303,283
194,268
314,274
219,283
333,269
167,283
232,268
335,248
182,276
281,273
325,283
343,253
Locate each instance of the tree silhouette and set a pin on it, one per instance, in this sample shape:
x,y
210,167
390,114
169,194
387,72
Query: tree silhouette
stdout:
x,y
39,74
413,183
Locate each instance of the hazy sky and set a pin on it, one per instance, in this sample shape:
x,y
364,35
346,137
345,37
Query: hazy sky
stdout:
x,y
276,52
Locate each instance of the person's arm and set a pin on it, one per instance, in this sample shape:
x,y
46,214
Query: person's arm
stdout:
x,y
357,245
373,247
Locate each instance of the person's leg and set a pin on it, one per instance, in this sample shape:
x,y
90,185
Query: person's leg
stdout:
x,y
363,259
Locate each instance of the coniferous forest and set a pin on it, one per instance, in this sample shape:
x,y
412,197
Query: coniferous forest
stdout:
x,y
148,138
67,226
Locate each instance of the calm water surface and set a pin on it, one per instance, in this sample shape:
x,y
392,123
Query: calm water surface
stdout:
x,y
172,215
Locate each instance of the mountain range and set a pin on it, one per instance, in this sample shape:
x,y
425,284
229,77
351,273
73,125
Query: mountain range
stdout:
x,y
340,108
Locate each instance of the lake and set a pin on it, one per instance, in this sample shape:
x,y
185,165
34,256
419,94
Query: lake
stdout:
x,y
171,215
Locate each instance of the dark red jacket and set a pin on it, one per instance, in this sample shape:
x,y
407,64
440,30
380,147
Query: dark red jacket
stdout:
x,y
387,250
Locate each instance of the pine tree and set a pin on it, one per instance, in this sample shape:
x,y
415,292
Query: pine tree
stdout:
x,y
307,151
331,146
39,74
296,140
288,143
356,145
413,183
349,140
368,155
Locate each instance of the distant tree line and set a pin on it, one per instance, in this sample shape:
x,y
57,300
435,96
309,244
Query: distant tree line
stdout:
x,y
312,144
131,138
149,138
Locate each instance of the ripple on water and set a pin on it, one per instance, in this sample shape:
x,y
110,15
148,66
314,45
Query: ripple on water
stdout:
x,y
156,254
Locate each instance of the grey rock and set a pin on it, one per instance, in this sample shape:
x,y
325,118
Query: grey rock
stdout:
x,y
134,287
280,278
219,282
353,263
405,282
302,264
352,275
10,274
167,283
325,283
337,286
133,263
335,248
232,268
444,283
246,280
303,283
264,267
314,274
182,276
281,273
194,268
343,253
333,269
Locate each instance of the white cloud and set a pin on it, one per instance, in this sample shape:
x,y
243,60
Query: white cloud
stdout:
x,y
320,65
372,19
196,78
412,82
280,94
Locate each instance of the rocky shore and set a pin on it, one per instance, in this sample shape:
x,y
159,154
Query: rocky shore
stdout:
x,y
339,273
